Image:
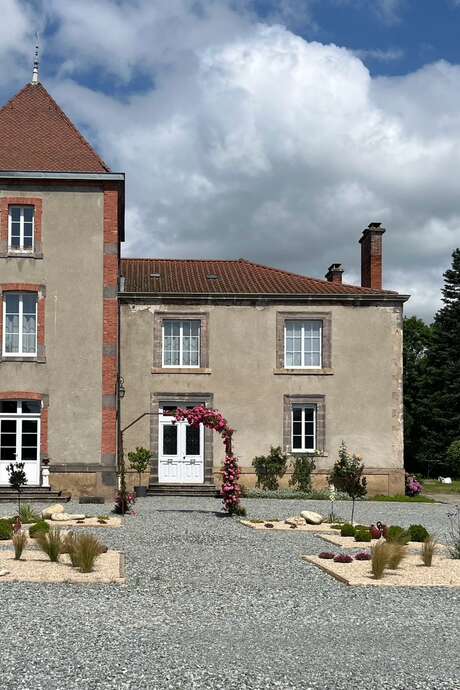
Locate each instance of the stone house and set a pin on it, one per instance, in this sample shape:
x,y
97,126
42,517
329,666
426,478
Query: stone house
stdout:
x,y
90,342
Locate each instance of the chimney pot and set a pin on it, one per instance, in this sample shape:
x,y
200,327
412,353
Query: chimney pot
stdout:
x,y
372,256
334,273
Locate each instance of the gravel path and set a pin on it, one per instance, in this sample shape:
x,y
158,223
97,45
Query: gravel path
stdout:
x,y
212,604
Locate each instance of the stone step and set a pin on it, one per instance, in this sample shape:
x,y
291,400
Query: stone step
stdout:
x,y
33,493
204,490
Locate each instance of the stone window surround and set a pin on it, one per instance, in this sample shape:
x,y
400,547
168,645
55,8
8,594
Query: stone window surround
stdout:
x,y
156,399
5,203
158,318
320,401
44,398
326,345
41,294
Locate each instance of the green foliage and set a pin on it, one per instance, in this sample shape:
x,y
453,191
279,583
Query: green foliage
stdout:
x,y
87,549
347,476
303,466
50,543
453,458
27,514
6,530
17,478
40,527
139,460
347,530
270,468
19,543
418,533
397,535
403,499
362,535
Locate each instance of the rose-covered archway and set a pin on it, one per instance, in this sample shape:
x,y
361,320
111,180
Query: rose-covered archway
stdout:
x,y
213,419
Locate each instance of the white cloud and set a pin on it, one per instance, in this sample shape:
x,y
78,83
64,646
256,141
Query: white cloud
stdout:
x,y
253,142
389,55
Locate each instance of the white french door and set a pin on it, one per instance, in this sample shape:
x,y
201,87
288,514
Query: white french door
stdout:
x,y
181,451
20,438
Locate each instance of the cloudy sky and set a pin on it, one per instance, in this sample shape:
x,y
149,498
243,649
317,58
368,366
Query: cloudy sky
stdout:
x,y
274,130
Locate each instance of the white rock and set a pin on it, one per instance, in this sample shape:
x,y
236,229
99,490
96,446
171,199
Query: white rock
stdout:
x,y
296,520
76,516
4,572
61,517
312,518
52,510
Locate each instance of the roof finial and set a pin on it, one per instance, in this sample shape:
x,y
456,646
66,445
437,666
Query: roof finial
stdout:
x,y
36,61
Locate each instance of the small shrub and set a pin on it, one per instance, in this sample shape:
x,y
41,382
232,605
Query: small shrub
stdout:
x,y
269,468
256,521
428,549
343,558
397,535
139,460
337,526
363,535
347,476
347,530
87,549
326,555
50,543
379,559
19,543
363,556
269,525
124,502
69,546
453,458
418,533
413,486
396,552
303,466
454,533
6,530
40,527
28,515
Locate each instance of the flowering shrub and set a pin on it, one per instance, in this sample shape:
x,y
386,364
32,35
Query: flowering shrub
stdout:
x,y
213,419
129,501
413,486
363,556
343,558
326,554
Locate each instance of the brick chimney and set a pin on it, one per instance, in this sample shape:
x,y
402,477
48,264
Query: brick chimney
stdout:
x,y
334,273
371,256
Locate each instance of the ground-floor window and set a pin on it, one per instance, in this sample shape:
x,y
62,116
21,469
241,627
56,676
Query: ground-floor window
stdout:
x,y
304,423
20,437
303,428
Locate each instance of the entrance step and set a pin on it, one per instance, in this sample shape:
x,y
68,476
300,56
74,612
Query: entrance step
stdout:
x,y
33,493
204,490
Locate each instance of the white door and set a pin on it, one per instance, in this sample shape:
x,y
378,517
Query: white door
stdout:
x,y
181,452
20,438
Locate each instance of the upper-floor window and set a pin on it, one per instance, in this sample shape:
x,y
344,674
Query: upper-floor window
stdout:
x,y
20,324
21,220
181,342
302,343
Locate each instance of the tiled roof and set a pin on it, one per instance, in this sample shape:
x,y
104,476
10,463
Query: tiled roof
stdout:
x,y
222,277
36,135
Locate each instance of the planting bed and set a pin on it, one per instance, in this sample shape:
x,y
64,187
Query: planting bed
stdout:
x,y
281,525
34,566
350,543
87,522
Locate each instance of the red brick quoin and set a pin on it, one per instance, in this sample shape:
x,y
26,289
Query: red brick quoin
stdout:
x,y
27,287
29,395
6,202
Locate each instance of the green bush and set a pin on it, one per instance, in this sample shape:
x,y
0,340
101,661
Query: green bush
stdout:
x,y
397,535
50,543
6,529
270,468
347,530
362,535
453,458
418,533
27,514
303,466
40,527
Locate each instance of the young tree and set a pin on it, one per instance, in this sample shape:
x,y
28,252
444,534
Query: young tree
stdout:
x,y
17,478
440,411
347,476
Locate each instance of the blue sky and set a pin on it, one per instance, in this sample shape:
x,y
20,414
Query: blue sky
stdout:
x,y
272,130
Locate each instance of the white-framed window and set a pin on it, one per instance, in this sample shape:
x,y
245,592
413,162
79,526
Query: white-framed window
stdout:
x,y
19,430
20,324
181,342
302,344
21,222
303,428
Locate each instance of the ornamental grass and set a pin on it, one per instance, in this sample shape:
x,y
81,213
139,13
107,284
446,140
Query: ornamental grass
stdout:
x,y
19,543
396,552
50,543
86,550
428,549
379,559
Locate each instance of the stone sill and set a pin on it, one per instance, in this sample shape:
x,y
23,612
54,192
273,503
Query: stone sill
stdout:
x,y
21,255
304,372
180,370
32,360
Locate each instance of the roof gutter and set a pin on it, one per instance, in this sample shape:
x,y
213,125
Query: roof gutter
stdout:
x,y
30,175
334,297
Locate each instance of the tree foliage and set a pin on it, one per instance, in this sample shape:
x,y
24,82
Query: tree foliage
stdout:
x,y
347,476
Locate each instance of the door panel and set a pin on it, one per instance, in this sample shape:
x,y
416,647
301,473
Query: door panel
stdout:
x,y
181,453
20,442
168,458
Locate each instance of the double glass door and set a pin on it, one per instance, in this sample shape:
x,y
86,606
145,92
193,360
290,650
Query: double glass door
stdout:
x,y
20,438
181,450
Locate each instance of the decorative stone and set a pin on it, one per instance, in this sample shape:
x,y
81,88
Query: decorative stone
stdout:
x,y
76,516
4,572
61,517
312,518
295,521
52,510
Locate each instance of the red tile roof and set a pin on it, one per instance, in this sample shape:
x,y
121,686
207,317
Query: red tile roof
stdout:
x,y
240,277
36,135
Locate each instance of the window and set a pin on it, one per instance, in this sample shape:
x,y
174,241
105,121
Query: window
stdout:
x,y
303,428
20,324
181,342
21,221
302,344
19,430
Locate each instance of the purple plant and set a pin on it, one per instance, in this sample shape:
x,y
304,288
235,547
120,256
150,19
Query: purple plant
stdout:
x,y
363,556
343,558
326,554
413,486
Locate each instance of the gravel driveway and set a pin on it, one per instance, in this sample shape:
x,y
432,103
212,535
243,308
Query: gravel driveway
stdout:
x,y
212,604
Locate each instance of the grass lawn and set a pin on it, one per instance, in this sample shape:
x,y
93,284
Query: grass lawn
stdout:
x,y
402,499
432,486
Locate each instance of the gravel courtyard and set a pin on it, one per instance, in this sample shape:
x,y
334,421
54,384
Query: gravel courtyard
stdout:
x,y
213,604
